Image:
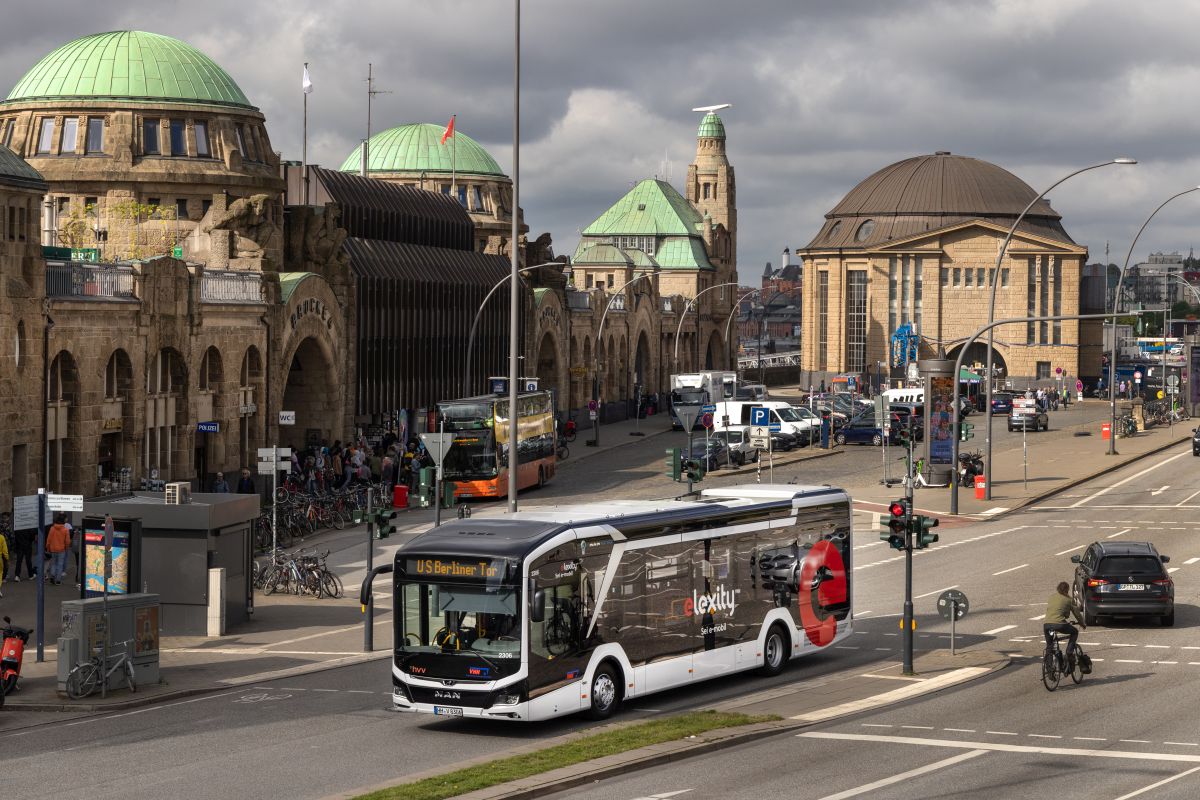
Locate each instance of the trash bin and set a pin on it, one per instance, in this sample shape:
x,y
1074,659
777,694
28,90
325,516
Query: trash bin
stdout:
x,y
980,487
400,496
1105,430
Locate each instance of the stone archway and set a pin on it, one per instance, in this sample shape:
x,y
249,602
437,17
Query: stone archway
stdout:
x,y
116,446
62,424
714,351
548,365
641,364
312,392
977,354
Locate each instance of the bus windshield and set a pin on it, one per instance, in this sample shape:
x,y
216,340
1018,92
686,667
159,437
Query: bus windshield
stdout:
x,y
472,457
450,618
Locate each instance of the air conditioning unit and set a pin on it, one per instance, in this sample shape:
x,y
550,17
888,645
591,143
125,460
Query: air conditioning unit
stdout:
x,y
178,493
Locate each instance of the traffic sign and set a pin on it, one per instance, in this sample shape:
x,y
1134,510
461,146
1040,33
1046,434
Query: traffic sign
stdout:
x,y
1172,380
760,436
64,502
1058,370
593,405
264,467
760,415
687,413
1137,376
267,453
593,415
880,420
709,409
287,417
25,512
437,444
952,602
706,419
1079,386
529,384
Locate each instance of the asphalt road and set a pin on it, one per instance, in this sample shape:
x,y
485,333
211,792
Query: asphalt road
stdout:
x,y
1123,730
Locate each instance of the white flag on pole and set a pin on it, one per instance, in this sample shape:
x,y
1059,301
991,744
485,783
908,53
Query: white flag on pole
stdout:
x,y
306,83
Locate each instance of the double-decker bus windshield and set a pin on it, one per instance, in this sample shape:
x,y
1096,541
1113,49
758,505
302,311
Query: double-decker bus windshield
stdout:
x,y
472,457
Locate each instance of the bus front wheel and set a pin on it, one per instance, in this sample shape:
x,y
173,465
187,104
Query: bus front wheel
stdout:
x,y
775,652
606,693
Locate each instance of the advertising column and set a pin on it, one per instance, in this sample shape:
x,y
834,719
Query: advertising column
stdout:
x,y
937,375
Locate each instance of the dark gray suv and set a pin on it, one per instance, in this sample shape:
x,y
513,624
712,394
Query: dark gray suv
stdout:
x,y
1123,579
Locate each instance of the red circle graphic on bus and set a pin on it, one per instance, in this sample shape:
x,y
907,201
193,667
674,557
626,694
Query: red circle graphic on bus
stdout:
x,y
823,580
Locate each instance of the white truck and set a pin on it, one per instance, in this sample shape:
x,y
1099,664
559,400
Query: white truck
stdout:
x,y
700,388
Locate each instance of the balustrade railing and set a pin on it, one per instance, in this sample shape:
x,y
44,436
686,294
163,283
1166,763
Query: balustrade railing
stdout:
x,y
77,279
231,287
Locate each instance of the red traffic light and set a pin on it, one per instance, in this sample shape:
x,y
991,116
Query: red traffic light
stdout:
x,y
897,508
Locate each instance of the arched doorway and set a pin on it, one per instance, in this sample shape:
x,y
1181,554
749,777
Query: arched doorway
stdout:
x,y
209,452
641,363
712,354
312,393
977,355
547,368
62,423
115,452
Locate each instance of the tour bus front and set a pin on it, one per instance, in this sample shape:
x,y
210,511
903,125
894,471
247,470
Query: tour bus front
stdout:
x,y
458,637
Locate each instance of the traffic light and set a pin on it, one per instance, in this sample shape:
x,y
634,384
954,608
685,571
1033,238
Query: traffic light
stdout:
x,y
897,524
922,536
695,470
966,431
384,523
674,463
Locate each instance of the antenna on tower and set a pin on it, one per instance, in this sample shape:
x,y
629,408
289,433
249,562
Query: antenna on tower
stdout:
x,y
664,168
371,92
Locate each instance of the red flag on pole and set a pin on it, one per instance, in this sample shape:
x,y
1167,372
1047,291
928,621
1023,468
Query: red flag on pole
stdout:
x,y
449,130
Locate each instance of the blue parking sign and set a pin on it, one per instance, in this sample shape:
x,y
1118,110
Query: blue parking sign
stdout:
x,y
760,415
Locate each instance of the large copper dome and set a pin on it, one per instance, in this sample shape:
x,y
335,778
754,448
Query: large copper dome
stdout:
x,y
929,192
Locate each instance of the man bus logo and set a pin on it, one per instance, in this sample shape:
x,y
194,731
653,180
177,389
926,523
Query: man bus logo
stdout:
x,y
823,579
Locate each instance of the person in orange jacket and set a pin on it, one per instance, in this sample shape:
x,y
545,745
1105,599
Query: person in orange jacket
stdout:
x,y
58,544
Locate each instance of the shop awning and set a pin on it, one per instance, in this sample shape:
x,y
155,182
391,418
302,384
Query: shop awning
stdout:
x,y
966,376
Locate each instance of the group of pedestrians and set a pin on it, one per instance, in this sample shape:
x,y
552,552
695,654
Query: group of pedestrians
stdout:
x,y
20,548
1048,399
338,466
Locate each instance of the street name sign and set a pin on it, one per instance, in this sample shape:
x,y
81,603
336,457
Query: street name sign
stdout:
x,y
64,502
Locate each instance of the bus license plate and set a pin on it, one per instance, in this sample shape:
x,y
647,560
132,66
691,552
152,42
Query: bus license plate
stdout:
x,y
444,711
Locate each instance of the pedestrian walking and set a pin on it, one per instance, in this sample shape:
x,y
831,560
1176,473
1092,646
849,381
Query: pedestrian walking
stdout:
x,y
245,483
23,544
219,485
3,562
58,542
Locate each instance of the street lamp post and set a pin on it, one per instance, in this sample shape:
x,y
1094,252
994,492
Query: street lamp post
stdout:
x,y
729,320
515,245
683,316
1112,357
987,467
599,341
467,377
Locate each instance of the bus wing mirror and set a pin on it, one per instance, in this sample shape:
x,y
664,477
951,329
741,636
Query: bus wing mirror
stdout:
x,y
537,611
364,593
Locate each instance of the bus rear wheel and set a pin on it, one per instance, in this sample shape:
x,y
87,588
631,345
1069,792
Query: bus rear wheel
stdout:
x,y
775,652
605,694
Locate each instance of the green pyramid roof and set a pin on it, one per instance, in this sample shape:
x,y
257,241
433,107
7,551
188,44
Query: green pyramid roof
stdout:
x,y
711,127
653,207
417,148
15,171
129,65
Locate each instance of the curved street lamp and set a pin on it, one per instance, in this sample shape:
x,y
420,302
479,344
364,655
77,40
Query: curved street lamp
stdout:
x,y
599,341
987,364
1112,357
683,316
736,305
475,322
1195,292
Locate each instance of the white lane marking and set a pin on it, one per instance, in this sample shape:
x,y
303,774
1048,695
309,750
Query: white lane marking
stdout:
x,y
1183,744
1172,569
1118,533
1005,748
1145,789
1124,481
1001,629
918,727
903,776
1001,733
1160,490
1039,616
1191,561
1010,569
1088,739
936,591
862,613
1070,550
875,725
1043,736
1189,497
960,730
1157,646
1128,661
895,695
1134,741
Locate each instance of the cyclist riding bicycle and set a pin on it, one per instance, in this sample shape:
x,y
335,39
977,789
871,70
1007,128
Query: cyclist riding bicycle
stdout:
x,y
1059,609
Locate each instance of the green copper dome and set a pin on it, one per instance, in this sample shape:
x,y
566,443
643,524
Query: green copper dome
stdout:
x,y
417,148
129,65
711,127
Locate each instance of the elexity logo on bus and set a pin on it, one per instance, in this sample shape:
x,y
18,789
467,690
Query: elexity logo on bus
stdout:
x,y
720,600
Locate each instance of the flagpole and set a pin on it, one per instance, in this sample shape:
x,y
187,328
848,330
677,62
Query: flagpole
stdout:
x,y
304,142
453,166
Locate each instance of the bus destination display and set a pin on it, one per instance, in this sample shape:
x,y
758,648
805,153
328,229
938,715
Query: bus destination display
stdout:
x,y
463,569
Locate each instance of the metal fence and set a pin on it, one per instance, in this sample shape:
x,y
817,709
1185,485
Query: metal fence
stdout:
x,y
77,279
231,287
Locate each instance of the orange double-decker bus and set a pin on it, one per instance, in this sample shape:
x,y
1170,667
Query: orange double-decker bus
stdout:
x,y
478,461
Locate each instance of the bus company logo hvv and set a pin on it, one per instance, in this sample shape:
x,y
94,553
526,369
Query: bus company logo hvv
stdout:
x,y
701,604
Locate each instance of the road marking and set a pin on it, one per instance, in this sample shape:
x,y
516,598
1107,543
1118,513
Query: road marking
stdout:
x,y
1183,744
1191,561
1088,739
1076,547
1001,629
1172,569
918,727
1001,747
1001,733
960,730
1124,481
1118,533
1010,569
903,776
895,695
1043,736
1039,616
874,725
1189,497
1157,646
1160,490
1128,661
1145,789
1134,741
936,591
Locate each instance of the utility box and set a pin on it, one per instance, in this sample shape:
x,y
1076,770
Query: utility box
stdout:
x,y
134,628
425,488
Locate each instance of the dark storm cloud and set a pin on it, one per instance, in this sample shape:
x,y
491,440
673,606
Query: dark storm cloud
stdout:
x,y
825,93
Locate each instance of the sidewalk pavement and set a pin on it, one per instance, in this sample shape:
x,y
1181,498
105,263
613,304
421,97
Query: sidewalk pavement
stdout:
x,y
840,694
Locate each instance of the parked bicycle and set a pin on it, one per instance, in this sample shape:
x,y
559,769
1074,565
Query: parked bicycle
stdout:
x,y
85,678
1056,664
302,572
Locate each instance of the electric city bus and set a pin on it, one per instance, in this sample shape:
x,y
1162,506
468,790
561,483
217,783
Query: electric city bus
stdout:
x,y
572,609
477,462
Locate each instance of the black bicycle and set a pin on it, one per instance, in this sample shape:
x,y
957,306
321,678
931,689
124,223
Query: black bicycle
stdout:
x,y
1056,664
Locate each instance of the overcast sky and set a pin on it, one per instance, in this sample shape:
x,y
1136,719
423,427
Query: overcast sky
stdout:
x,y
824,94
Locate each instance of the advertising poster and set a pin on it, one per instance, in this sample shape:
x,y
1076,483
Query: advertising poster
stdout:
x,y
145,630
941,420
93,556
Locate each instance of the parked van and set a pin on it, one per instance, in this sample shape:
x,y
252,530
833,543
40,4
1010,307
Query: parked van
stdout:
x,y
750,391
794,421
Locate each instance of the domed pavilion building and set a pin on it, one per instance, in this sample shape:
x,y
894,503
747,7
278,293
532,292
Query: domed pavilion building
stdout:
x,y
916,243
135,133
414,155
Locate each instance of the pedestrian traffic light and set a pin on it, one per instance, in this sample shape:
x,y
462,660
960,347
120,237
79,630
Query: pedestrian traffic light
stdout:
x,y
384,526
695,470
966,431
922,536
674,463
897,524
